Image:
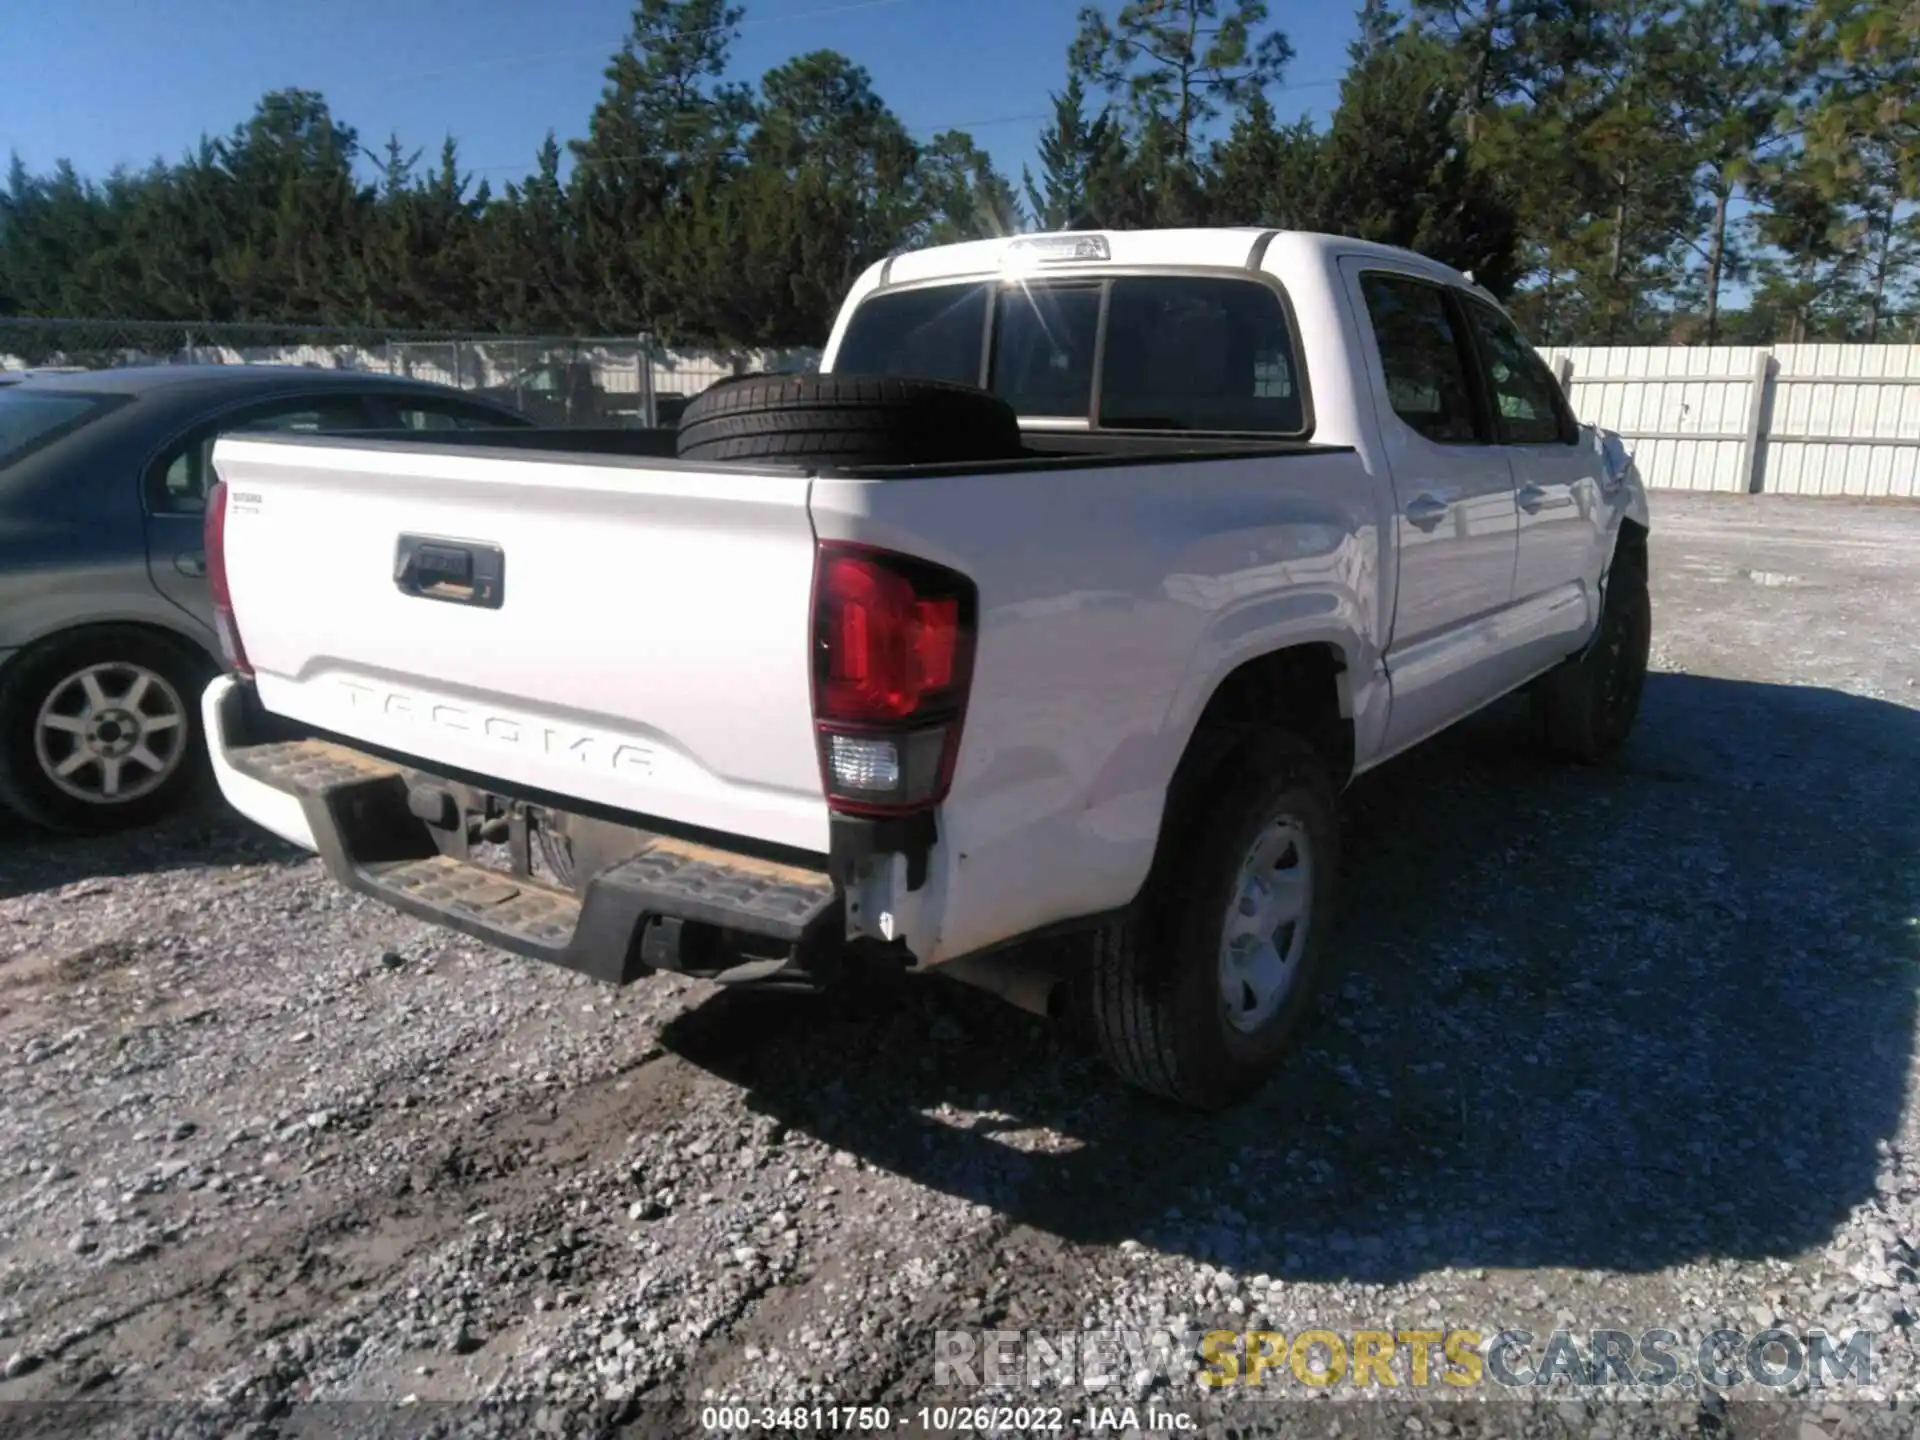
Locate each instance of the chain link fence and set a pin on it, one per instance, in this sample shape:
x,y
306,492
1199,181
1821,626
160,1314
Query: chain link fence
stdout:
x,y
558,380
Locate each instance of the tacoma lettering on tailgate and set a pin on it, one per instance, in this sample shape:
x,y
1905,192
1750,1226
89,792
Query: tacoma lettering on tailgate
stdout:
x,y
581,746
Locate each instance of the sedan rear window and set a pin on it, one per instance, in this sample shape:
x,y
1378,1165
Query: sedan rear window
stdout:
x,y
32,418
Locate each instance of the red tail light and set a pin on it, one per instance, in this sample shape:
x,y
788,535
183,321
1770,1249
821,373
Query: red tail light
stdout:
x,y
892,662
216,547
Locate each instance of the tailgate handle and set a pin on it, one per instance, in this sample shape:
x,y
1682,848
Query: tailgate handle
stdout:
x,y
461,572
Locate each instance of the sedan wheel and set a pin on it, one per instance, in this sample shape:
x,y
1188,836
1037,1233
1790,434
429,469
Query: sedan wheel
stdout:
x,y
100,729
111,733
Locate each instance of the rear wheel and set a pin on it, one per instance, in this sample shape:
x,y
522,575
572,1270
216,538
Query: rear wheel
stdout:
x,y
102,730
1587,705
1197,997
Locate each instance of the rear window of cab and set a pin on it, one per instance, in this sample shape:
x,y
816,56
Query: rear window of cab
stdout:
x,y
1154,352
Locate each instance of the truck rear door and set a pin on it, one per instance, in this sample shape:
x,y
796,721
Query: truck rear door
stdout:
x,y
1457,524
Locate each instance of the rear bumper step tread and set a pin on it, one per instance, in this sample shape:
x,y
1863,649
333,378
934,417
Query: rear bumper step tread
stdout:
x,y
372,841
308,767
535,914
781,900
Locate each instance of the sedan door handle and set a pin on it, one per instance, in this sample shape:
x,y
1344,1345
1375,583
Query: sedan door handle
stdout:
x,y
1531,498
191,563
1427,512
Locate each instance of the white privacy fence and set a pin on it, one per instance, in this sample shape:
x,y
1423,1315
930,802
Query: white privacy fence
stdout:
x,y
1780,420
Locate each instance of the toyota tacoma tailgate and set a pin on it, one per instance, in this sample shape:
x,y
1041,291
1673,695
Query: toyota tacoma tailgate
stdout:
x,y
633,633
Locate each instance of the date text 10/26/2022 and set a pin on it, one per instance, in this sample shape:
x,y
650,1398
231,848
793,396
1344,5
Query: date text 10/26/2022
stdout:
x,y
1118,1419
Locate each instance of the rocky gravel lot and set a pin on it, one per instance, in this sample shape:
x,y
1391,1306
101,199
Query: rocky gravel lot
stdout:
x,y
1622,1049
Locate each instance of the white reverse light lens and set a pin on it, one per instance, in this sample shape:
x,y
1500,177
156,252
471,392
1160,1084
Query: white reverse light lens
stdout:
x,y
862,764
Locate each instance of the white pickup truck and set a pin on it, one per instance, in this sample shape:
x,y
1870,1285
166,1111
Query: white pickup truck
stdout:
x,y
1060,607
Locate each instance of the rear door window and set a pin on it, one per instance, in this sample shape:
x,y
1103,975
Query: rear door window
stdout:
x,y
179,480
1529,408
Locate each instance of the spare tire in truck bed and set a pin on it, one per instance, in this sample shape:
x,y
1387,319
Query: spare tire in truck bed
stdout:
x,y
848,420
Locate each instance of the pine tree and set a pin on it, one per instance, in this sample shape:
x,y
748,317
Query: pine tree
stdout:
x,y
830,169
527,253
1501,49
1600,151
299,212
1177,64
962,195
1264,174
1860,147
665,121
1396,169
1379,26
1864,57
1723,71
1804,282
1070,150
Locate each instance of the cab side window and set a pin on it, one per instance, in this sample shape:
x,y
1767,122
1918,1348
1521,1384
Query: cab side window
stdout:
x,y
180,478
1424,358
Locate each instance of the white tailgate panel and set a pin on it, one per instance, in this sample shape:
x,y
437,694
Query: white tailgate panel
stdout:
x,y
650,652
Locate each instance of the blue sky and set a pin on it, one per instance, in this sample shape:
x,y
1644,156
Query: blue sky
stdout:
x,y
105,82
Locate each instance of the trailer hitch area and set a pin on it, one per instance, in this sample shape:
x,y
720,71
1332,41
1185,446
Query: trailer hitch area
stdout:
x,y
460,817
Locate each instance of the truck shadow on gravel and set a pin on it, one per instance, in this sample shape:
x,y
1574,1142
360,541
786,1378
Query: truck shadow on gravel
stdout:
x,y
1617,1018
205,835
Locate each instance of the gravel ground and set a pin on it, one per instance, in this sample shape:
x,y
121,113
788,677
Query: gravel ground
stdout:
x,y
1625,1049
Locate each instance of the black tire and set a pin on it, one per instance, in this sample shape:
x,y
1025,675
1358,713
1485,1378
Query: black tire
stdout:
x,y
849,420
46,679
1156,997
1586,706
